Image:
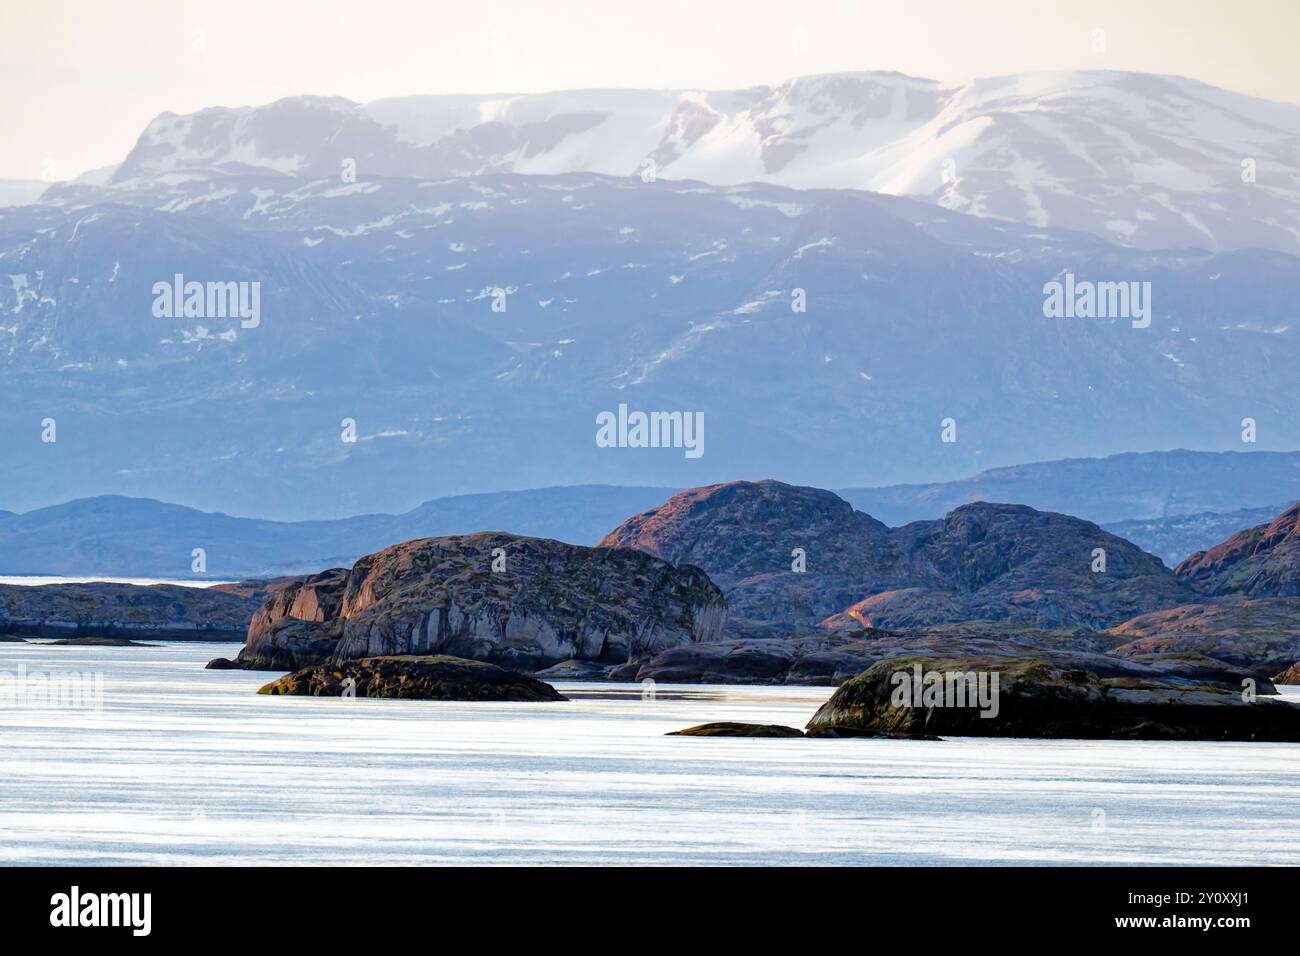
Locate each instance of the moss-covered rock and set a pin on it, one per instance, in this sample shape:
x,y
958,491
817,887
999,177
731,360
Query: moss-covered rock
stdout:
x,y
1046,697
413,677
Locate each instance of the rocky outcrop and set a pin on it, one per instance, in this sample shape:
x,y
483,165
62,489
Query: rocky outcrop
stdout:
x,y
744,534
545,602
1031,568
1051,698
100,609
297,625
1260,635
982,561
431,677
1263,561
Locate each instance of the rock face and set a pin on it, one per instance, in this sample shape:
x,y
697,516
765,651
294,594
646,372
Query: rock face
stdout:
x,y
1031,568
1260,635
548,602
1263,561
743,534
1038,697
435,677
100,609
980,562
298,625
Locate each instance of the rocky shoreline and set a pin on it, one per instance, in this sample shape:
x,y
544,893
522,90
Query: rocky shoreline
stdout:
x,y
108,610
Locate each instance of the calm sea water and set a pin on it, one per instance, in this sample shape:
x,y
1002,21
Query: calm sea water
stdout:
x,y
185,765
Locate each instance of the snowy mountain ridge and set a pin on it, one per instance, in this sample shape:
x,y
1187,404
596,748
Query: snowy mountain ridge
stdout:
x,y
1142,160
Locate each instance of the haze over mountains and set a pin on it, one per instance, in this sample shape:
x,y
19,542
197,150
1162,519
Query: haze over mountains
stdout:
x,y
377,295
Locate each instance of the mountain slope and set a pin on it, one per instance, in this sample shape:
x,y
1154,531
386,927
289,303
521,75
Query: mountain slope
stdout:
x,y
377,306
1263,561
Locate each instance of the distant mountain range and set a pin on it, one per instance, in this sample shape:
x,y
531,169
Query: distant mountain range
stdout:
x,y
1126,487
1161,501
109,534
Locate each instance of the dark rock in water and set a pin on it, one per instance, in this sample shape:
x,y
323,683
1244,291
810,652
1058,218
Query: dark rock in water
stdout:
x,y
1036,697
791,558
100,642
221,664
545,603
412,677
101,609
1263,561
730,729
12,639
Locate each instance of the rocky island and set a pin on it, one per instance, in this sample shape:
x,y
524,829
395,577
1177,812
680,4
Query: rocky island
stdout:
x,y
1053,699
507,599
414,677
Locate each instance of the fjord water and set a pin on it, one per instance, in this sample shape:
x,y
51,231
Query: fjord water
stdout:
x,y
185,765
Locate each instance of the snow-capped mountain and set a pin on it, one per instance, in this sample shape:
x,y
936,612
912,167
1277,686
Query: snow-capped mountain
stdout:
x,y
1142,160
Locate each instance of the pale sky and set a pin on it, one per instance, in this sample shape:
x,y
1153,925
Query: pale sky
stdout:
x,y
79,79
